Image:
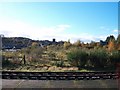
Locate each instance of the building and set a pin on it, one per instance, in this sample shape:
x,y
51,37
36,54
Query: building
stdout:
x,y
103,43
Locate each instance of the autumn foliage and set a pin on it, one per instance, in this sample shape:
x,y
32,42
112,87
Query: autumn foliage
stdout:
x,y
111,46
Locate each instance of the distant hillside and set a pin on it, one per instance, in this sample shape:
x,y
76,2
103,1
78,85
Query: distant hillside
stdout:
x,y
21,42
15,42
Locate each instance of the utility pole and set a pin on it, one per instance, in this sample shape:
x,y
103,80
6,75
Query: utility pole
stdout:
x,y
24,59
0,51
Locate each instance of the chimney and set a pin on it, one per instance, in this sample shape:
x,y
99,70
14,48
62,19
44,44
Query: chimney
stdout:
x,y
54,40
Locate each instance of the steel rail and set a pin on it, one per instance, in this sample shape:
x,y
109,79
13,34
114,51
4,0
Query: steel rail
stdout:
x,y
59,75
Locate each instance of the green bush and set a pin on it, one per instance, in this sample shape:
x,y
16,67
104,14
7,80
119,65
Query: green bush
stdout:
x,y
59,63
77,57
98,58
114,57
6,63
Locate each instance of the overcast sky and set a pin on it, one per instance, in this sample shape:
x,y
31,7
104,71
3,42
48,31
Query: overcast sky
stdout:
x,y
87,21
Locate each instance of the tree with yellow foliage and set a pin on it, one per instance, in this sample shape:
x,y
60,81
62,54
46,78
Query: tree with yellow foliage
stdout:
x,y
67,44
111,46
77,43
35,44
118,42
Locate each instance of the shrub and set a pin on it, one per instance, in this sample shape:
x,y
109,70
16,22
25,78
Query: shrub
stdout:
x,y
61,55
98,58
59,63
52,55
5,62
77,57
115,57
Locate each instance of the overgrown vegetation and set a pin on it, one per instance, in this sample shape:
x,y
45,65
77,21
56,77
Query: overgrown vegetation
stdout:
x,y
65,57
78,57
98,58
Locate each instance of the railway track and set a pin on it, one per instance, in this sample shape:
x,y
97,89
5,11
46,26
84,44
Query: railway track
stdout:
x,y
59,75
